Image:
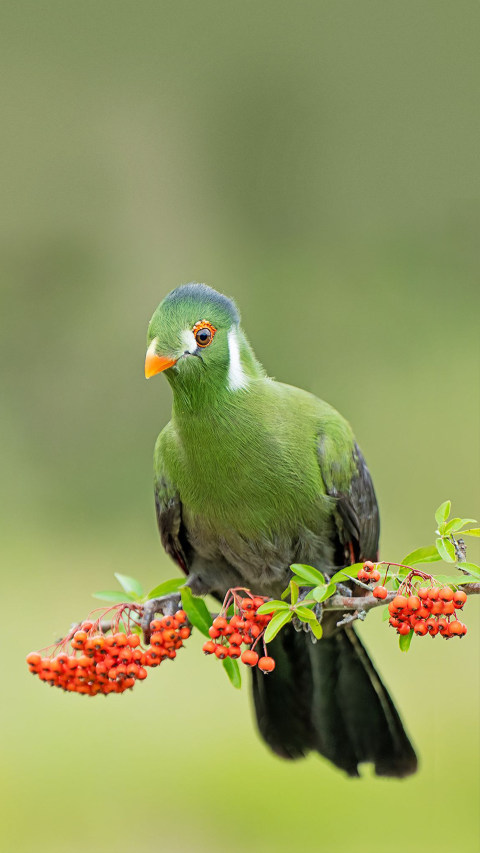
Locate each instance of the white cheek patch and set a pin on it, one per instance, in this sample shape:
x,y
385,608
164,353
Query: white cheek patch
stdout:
x,y
237,377
189,343
152,349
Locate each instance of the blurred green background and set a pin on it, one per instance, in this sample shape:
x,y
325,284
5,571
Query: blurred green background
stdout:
x,y
318,161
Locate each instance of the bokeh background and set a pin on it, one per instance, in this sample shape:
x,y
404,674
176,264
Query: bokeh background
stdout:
x,y
319,162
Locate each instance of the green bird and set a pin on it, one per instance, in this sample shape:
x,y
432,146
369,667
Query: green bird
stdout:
x,y
252,475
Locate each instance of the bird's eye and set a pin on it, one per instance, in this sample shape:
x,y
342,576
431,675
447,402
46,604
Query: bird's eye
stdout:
x,y
204,332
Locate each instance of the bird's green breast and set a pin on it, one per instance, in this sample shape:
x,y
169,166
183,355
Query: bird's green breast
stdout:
x,y
249,465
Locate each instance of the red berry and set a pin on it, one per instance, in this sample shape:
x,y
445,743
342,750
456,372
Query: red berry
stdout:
x,y
209,647
459,598
220,623
266,664
249,657
403,628
446,594
234,651
380,592
221,651
420,627
457,629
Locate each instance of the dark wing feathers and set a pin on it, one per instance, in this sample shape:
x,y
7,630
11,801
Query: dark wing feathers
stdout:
x,y
169,520
356,512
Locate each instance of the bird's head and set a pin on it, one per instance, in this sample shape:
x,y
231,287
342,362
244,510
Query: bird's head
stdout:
x,y
194,336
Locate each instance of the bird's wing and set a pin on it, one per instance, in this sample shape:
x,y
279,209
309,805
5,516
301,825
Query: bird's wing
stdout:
x,y
169,519
347,479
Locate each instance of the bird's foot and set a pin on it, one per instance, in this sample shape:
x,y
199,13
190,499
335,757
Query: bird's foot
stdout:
x,y
167,605
317,610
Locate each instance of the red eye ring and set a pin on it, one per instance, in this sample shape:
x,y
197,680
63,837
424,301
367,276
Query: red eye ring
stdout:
x,y
204,333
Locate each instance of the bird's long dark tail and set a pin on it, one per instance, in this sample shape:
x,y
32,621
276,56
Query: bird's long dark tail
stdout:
x,y
329,698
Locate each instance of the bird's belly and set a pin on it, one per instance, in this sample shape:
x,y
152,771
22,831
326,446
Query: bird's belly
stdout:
x,y
224,557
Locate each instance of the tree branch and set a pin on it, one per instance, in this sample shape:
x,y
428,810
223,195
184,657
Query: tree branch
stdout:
x,y
359,605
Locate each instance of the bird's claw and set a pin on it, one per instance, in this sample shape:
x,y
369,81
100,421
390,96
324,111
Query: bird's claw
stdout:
x,y
299,625
167,605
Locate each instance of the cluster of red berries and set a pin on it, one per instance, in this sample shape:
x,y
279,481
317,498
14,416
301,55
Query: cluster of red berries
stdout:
x,y
428,610
369,572
109,662
245,627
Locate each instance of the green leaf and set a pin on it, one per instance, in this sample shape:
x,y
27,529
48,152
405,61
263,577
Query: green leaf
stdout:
x,y
294,592
442,513
474,531
114,595
446,550
457,580
272,606
385,614
166,588
468,521
341,576
308,573
470,567
196,610
130,585
453,525
404,641
316,630
276,624
422,555
305,614
321,593
232,669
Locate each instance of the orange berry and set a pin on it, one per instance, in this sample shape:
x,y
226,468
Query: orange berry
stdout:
x,y
142,673
249,657
266,664
209,647
448,608
459,598
234,651
156,625
180,617
422,593
235,639
380,592
185,632
34,659
420,627
133,640
247,604
368,565
433,593
375,575
220,623
457,629
214,632
423,612
432,626
403,628
413,602
221,651
446,594
400,602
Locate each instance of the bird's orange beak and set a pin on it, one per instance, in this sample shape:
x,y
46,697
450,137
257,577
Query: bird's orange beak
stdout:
x,y
156,363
